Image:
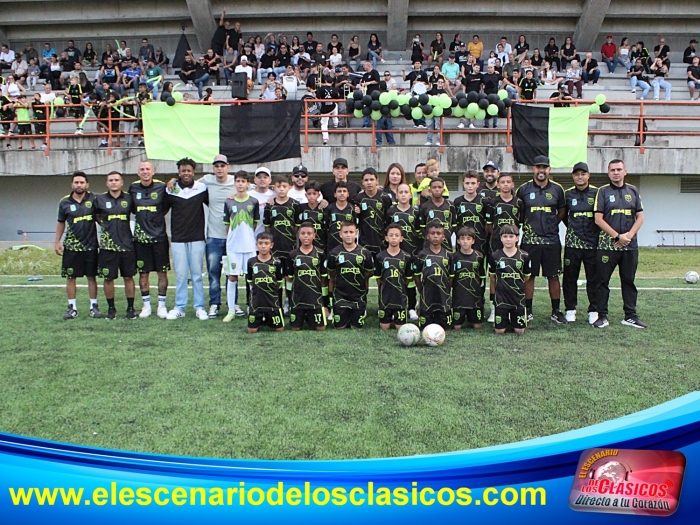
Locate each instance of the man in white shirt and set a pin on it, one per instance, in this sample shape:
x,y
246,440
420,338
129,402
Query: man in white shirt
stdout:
x,y
507,49
262,192
243,67
7,56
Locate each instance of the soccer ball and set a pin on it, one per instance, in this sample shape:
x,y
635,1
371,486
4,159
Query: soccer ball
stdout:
x,y
409,334
433,335
692,277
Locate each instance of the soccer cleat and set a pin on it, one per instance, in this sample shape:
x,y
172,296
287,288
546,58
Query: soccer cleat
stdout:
x,y
175,314
95,312
592,317
213,311
230,316
238,312
131,313
413,315
492,316
71,313
601,322
558,317
162,312
571,316
111,314
460,125
145,311
202,314
634,322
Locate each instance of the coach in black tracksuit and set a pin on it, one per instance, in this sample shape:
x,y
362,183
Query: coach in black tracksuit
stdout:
x,y
581,242
619,214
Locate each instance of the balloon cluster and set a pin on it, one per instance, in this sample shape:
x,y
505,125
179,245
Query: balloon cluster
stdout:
x,y
175,96
600,106
391,103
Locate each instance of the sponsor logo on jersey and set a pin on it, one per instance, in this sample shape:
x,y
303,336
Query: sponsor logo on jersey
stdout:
x,y
341,259
109,205
88,204
532,196
138,195
549,196
154,195
612,198
591,200
428,262
628,198
73,207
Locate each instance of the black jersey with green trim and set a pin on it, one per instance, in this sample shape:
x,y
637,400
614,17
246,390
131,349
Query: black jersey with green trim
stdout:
x,y
394,271
317,217
350,268
468,284
502,213
334,221
263,281
115,215
435,273
581,229
392,195
149,211
281,218
488,193
79,218
619,206
511,273
373,219
409,224
540,222
306,270
475,214
442,215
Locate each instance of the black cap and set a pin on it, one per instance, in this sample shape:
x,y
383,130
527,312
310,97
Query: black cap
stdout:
x,y
541,160
490,164
580,166
340,161
300,169
693,41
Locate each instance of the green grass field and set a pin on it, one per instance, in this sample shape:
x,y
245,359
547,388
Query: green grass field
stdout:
x,y
206,388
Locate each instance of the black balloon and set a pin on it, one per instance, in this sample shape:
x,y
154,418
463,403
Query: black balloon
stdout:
x,y
482,96
460,95
366,111
359,104
501,105
503,113
447,112
357,94
60,112
424,99
472,96
406,110
413,102
463,102
393,104
492,98
507,102
483,104
170,101
375,95
350,103
376,105
427,108
385,110
605,108
455,101
366,100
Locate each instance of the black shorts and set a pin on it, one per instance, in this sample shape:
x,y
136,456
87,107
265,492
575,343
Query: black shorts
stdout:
x,y
514,318
77,112
274,320
469,315
314,318
79,264
544,257
112,264
40,129
152,257
395,316
343,317
24,129
444,319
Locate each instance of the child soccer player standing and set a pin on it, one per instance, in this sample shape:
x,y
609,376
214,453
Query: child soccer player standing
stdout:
x,y
337,213
241,214
433,274
473,210
310,212
393,267
372,205
263,277
509,268
307,279
349,268
468,286
438,210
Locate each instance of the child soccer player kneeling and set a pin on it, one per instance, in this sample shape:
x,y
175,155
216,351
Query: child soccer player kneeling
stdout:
x,y
433,274
392,268
468,286
263,289
509,268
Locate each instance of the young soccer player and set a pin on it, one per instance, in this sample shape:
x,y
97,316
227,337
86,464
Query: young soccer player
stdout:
x,y
438,210
349,268
473,210
509,267
469,275
393,268
337,213
262,192
307,279
241,214
371,206
263,276
433,274
310,212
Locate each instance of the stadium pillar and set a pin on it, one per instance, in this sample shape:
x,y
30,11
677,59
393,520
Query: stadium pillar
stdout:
x,y
589,24
203,21
397,24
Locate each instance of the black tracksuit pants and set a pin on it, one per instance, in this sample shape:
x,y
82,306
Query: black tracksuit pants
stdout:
x,y
573,258
626,261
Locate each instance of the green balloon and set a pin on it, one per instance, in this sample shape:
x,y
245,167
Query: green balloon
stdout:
x,y
600,99
402,99
473,108
177,95
394,94
437,111
395,112
458,111
417,113
384,99
502,94
492,109
480,115
376,115
358,113
58,101
445,101
434,101
594,108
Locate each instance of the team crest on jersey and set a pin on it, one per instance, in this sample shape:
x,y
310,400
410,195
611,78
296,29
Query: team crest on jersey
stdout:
x,y
518,264
462,209
298,259
478,208
396,218
255,269
431,214
234,209
360,259
109,205
364,206
591,200
548,196
605,259
402,264
428,262
379,205
498,210
314,261
628,198
444,262
154,195
386,264
306,215
475,264
73,207
333,216
138,196
501,264
88,204
274,213
459,265
574,202
289,213
341,259
125,204
532,196
612,198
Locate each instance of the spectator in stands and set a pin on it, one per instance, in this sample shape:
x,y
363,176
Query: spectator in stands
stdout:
x,y
243,67
89,55
33,73
390,81
589,69
110,74
623,53
19,68
471,82
568,52
462,57
638,77
639,51
521,49
370,81
343,83
335,58
30,52
13,88
451,71
46,55
527,86
267,64
551,54
491,81
7,56
437,50
283,57
234,37
201,76
67,66
167,91
270,42
161,60
454,45
608,52
213,64
326,91
146,52
218,39
374,50
561,95
128,55
310,44
417,49
335,43
507,49
320,57
292,74
130,76
511,66
694,77
660,71
573,79
73,52
690,53
258,47
415,75
663,52
188,71
295,45
435,77
150,77
431,123
108,52
511,83
476,49
268,88
500,53
230,61
54,73
537,62
354,49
